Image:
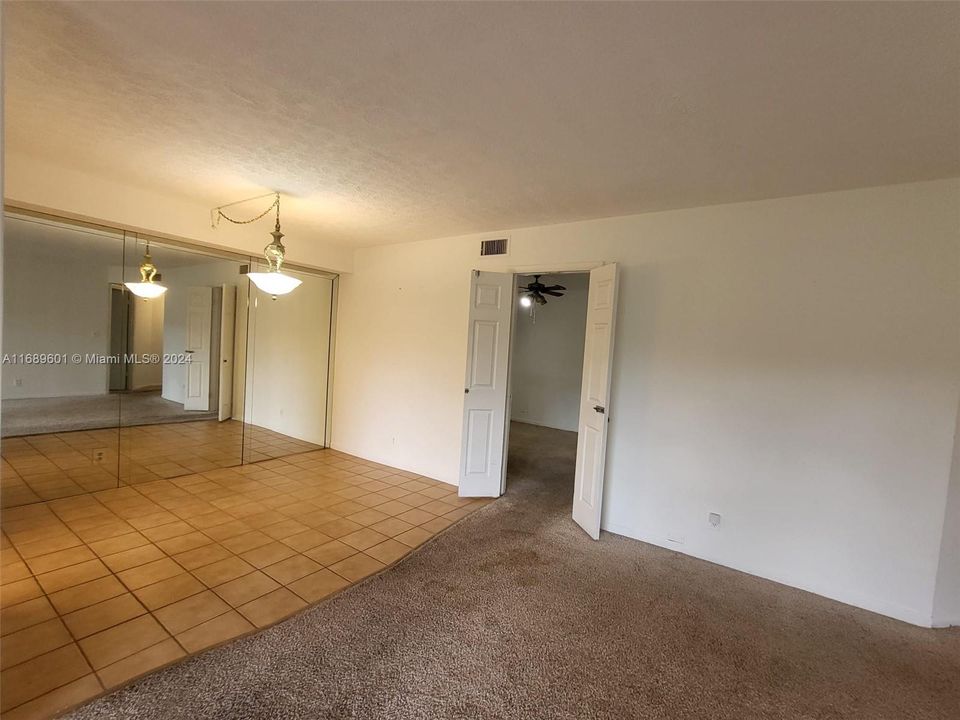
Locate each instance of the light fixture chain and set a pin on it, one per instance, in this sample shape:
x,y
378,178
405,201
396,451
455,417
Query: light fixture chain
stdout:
x,y
274,204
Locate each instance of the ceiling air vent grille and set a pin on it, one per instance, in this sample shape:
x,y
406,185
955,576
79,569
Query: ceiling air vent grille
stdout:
x,y
493,247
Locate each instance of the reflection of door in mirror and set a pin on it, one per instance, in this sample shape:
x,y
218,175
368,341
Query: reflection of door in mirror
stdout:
x,y
228,308
198,346
119,336
240,339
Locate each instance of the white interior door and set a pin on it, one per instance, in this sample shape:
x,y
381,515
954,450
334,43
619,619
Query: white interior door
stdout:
x,y
482,462
240,351
228,317
199,310
594,397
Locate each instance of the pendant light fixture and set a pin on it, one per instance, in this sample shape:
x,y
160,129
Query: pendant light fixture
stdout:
x,y
274,281
148,287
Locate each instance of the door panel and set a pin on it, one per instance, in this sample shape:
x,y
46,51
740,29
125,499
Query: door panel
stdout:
x,y
479,424
119,337
482,457
228,310
199,309
594,399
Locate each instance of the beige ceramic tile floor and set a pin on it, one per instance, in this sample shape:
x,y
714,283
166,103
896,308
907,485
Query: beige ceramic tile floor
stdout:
x,y
102,587
46,467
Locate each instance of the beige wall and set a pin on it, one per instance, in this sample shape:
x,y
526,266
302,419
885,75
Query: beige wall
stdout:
x,y
790,364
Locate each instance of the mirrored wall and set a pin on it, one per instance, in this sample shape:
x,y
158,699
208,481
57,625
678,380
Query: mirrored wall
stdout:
x,y
107,383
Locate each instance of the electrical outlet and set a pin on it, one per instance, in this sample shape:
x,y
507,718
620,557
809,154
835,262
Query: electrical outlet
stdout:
x,y
714,519
99,454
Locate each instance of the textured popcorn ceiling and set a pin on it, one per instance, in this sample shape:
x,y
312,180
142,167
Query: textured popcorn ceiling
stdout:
x,y
391,122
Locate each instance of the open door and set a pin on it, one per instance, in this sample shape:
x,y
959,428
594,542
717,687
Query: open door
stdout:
x,y
240,351
482,457
228,317
199,311
594,396
119,338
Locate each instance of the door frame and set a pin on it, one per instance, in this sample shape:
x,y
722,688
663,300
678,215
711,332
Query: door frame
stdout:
x,y
566,269
125,299
515,271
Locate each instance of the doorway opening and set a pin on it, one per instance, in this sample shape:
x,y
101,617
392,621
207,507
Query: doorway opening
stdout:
x,y
136,331
486,407
546,371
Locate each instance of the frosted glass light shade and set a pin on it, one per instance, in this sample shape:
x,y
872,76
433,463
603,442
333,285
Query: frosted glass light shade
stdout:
x,y
274,283
146,289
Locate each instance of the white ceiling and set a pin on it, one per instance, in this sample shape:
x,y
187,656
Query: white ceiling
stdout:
x,y
391,122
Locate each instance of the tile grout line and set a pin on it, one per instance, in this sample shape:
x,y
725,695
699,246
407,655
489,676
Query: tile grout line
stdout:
x,y
282,478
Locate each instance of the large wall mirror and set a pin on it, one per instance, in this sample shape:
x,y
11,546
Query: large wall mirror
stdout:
x,y
105,388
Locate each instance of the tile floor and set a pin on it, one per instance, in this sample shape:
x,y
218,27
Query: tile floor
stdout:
x,y
102,587
45,467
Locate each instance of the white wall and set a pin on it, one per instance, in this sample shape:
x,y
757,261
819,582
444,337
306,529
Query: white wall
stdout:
x,y
288,358
547,356
790,364
56,300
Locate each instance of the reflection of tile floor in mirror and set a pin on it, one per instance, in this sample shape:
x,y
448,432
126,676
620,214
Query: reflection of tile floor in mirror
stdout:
x,y
105,586
46,467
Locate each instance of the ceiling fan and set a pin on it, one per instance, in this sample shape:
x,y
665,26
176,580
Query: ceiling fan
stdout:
x,y
534,292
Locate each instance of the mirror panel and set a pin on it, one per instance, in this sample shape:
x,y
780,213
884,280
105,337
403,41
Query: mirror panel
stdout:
x,y
176,412
104,387
59,415
288,352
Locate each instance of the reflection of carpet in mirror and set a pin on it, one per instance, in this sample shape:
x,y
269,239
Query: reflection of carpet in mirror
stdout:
x,y
36,416
56,465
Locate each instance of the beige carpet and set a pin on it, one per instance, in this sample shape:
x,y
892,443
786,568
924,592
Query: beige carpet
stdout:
x,y
513,613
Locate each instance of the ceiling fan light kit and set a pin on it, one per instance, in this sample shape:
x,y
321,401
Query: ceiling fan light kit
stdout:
x,y
532,294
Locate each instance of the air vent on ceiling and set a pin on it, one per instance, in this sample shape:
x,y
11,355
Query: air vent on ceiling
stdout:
x,y
493,247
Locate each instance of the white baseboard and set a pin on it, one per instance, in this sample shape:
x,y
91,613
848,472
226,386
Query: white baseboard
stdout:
x,y
871,604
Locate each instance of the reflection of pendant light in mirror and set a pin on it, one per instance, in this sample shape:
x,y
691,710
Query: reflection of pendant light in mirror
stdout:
x,y
274,281
148,287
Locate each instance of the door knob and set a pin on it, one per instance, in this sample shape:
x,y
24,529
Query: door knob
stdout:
x,y
600,409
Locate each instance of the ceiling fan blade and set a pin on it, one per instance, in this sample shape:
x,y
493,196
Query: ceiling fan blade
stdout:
x,y
554,294
554,287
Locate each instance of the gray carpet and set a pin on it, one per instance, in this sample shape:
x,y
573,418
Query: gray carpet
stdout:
x,y
35,416
514,613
